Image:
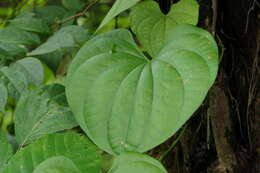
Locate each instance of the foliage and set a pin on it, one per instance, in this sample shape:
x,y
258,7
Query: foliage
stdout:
x,y
128,92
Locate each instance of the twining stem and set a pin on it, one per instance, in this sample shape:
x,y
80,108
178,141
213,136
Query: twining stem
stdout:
x,y
175,142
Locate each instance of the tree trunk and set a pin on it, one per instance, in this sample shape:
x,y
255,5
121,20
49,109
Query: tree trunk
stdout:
x,y
223,136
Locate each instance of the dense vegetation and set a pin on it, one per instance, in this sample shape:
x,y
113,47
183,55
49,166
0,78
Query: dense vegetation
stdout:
x,y
109,86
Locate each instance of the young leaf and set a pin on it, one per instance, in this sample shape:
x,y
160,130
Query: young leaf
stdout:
x,y
42,112
135,162
149,23
3,97
78,149
18,36
125,102
118,7
67,37
59,164
5,149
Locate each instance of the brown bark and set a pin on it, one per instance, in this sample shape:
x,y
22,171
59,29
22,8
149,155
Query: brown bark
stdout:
x,y
227,126
222,130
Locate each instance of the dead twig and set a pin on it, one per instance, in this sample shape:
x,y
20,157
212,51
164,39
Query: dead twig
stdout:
x,y
79,14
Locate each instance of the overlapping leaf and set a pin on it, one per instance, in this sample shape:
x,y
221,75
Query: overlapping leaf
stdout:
x,y
74,147
126,102
29,22
74,5
41,112
59,164
3,97
135,162
19,75
5,149
17,36
32,68
51,14
10,49
118,7
152,26
67,37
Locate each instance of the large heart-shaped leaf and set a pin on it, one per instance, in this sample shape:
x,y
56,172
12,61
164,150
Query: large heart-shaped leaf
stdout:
x,y
85,156
135,162
40,112
59,164
126,102
152,26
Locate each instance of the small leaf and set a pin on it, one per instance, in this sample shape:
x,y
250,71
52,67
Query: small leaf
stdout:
x,y
32,68
59,164
118,7
137,163
78,149
30,23
11,49
41,112
67,37
18,36
3,97
152,26
19,75
15,81
5,149
51,14
74,5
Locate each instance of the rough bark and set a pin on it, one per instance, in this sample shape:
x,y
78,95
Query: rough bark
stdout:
x,y
223,136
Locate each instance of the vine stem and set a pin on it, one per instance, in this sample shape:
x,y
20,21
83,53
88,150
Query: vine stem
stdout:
x,y
79,14
175,142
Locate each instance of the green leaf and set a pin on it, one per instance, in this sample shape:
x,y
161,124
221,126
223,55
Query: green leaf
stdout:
x,y
124,102
32,68
30,23
74,5
67,37
136,162
118,7
10,49
78,149
18,36
5,149
19,75
51,14
41,112
15,81
152,26
3,97
59,164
